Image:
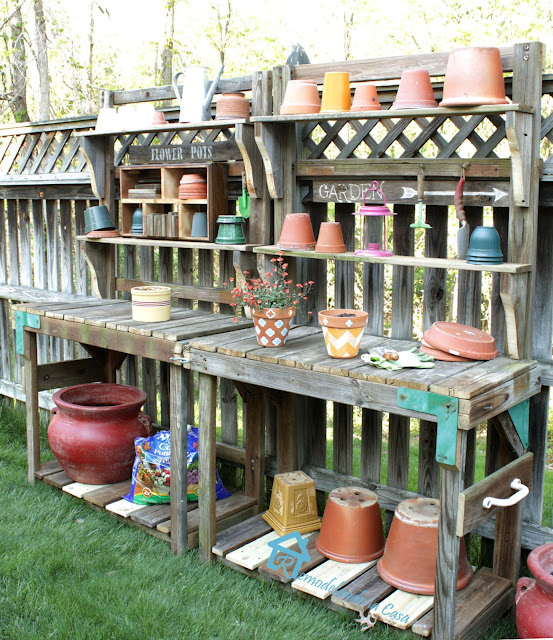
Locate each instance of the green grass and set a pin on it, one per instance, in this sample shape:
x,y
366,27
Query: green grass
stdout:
x,y
68,571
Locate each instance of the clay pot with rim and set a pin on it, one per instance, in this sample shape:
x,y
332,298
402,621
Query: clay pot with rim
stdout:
x,y
365,98
438,354
330,239
343,330
351,530
409,560
297,232
272,326
232,104
158,118
300,96
336,92
293,505
461,340
474,76
92,431
534,596
415,91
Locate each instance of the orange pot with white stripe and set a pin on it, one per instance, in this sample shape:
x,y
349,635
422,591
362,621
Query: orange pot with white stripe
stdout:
x,y
151,303
343,330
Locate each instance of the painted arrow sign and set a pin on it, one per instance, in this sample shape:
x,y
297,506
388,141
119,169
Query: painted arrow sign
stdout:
x,y
476,193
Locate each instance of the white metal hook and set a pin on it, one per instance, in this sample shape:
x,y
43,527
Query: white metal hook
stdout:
x,y
521,489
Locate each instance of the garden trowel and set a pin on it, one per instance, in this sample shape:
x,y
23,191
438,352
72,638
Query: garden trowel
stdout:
x,y
420,224
463,235
244,201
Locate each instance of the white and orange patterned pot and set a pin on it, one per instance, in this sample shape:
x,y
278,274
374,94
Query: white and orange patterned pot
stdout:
x,y
272,326
343,330
151,303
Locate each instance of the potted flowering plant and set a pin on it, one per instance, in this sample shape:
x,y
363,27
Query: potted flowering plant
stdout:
x,y
272,301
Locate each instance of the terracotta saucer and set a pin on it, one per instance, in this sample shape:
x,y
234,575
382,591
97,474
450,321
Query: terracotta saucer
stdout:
x,y
104,233
438,354
461,340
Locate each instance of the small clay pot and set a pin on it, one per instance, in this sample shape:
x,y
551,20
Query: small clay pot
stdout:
x,y
272,326
474,76
352,526
343,330
301,96
159,118
409,560
232,105
415,91
336,92
461,340
297,232
330,238
293,505
365,98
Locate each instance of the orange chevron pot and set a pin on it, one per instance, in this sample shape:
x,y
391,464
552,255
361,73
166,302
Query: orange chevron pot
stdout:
x,y
272,326
343,330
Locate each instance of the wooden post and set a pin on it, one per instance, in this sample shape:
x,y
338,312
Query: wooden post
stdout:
x,y
31,405
206,465
179,475
254,468
448,548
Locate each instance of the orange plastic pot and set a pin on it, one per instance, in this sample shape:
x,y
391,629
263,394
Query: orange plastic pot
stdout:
x,y
343,330
301,96
365,98
330,238
474,75
415,91
336,92
409,560
297,232
351,530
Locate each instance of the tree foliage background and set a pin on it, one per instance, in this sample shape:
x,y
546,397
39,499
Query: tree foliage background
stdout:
x,y
55,55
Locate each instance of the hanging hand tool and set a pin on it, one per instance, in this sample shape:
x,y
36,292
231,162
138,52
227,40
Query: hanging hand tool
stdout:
x,y
244,200
463,234
420,224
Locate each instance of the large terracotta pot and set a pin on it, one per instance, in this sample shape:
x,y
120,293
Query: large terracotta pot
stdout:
x,y
272,326
297,232
534,597
409,560
415,91
92,431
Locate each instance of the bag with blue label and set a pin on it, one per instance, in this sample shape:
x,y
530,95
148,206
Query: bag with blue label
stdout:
x,y
151,473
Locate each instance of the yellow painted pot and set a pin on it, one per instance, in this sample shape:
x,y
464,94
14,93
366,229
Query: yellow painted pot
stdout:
x,y
343,330
151,303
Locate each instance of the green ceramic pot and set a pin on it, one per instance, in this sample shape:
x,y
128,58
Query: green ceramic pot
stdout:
x,y
230,230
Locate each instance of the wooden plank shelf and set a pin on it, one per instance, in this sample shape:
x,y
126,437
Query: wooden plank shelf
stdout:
x,y
396,113
162,201
152,519
176,244
408,261
160,128
244,548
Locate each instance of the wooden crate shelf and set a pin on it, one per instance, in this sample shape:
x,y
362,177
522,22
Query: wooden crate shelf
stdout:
x,y
139,241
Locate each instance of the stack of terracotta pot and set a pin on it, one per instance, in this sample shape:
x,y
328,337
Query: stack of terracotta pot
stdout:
x,y
193,186
456,342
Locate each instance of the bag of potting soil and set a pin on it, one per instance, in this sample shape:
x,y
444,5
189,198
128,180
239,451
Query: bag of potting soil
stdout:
x,y
151,473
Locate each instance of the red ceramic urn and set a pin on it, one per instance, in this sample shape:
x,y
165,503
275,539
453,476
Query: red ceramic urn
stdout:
x,y
92,431
534,597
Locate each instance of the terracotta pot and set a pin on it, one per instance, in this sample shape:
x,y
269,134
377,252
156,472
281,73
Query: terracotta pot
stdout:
x,y
352,526
301,96
336,92
461,340
297,232
342,331
409,560
415,91
151,303
293,504
159,118
92,431
365,98
272,326
474,75
232,105
330,238
534,597
104,233
438,354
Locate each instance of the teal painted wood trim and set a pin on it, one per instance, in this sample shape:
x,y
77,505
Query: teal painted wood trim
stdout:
x,y
520,415
22,320
446,409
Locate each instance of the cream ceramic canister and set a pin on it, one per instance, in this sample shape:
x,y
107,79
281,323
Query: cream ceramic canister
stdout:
x,y
151,303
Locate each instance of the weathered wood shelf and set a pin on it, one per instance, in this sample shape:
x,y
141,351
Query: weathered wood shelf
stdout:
x,y
176,244
396,113
405,261
159,128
